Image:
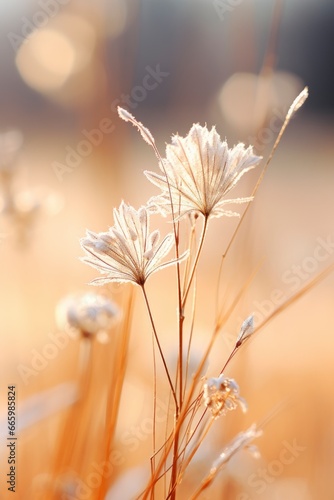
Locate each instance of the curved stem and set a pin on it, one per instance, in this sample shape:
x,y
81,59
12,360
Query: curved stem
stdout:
x,y
176,230
159,345
154,441
182,303
192,273
293,108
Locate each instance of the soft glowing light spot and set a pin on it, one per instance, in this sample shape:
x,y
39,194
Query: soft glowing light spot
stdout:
x,y
58,60
238,98
247,100
46,60
82,35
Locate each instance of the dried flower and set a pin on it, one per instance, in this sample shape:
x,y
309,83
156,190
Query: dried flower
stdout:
x,y
222,394
246,330
128,252
88,313
144,131
298,102
198,172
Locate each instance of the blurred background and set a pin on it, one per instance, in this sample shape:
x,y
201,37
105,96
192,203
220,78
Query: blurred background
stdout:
x,y
67,160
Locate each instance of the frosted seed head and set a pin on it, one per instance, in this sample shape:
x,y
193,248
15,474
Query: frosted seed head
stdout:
x,y
221,394
87,313
116,256
144,131
246,330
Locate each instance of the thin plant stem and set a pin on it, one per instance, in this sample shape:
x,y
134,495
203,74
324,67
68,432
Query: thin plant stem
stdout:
x,y
293,108
172,485
188,399
192,247
154,409
194,267
207,481
178,425
203,435
181,318
159,345
287,303
165,366
190,337
189,434
176,230
181,302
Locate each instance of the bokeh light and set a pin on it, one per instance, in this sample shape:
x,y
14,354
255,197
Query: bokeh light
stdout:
x,y
67,160
51,56
246,99
46,61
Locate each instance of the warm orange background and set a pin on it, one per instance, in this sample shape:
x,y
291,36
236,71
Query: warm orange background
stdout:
x,y
62,81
